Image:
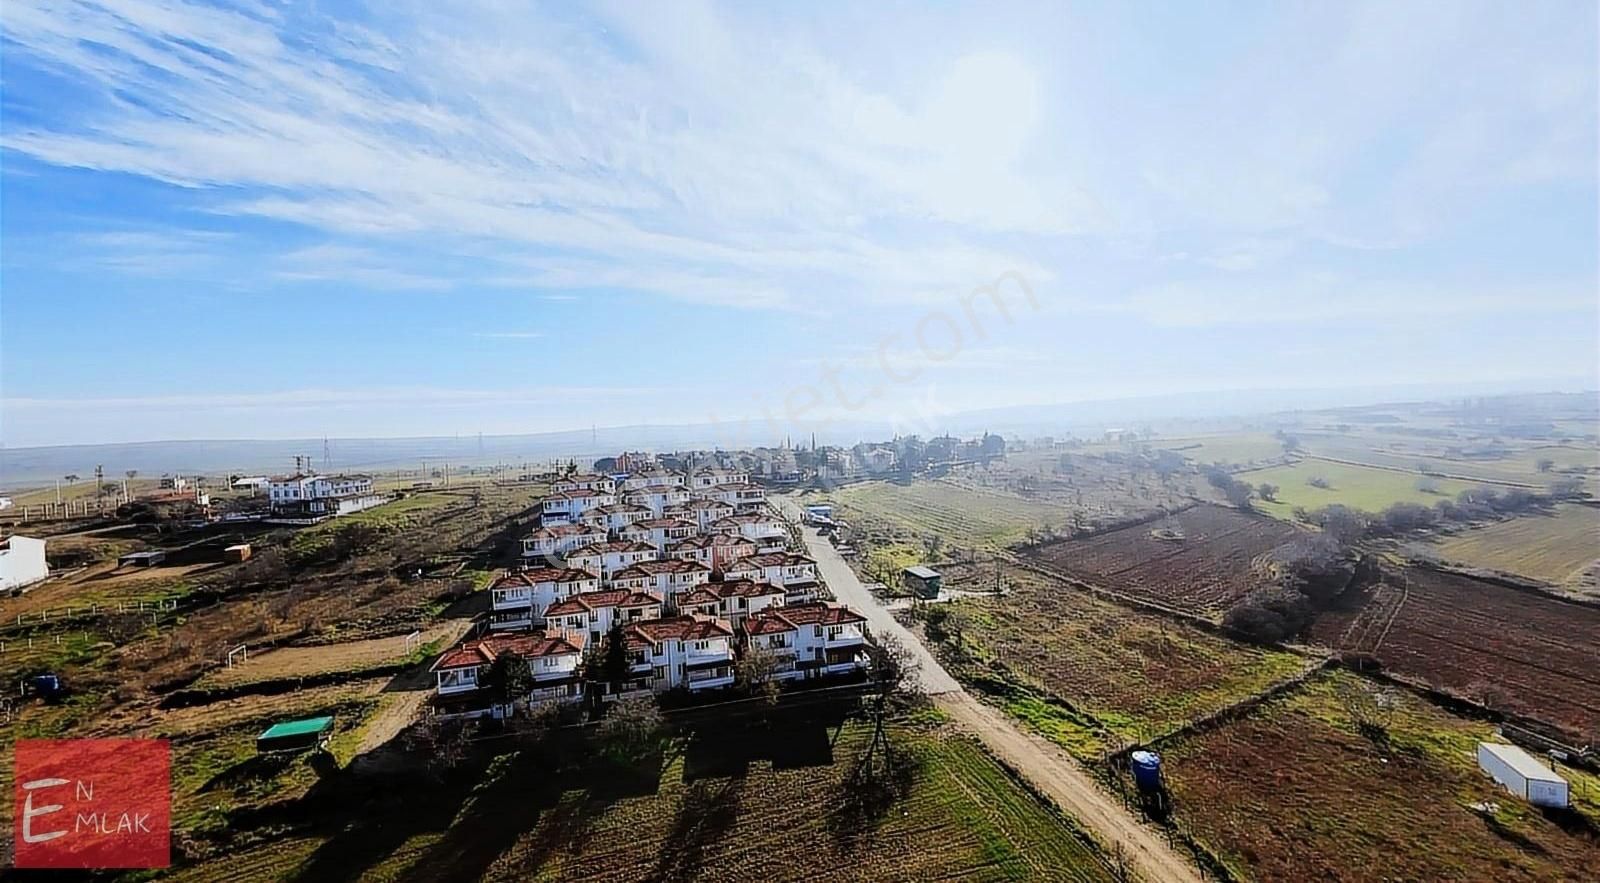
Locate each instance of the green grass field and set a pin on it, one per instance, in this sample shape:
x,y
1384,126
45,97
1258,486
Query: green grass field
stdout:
x,y
1553,548
1295,790
1362,487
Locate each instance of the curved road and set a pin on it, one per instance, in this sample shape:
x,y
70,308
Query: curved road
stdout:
x,y
1041,762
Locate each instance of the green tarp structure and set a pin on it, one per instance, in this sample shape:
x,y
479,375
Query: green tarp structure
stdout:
x,y
300,735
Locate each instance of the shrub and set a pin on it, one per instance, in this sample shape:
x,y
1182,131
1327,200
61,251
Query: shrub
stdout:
x,y
1269,615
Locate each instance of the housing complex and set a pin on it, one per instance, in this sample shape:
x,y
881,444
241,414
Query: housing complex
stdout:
x,y
689,567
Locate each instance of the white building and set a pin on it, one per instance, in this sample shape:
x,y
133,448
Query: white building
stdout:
x,y
694,652
21,562
658,498
711,476
797,574
739,598
742,497
810,640
559,539
607,559
554,661
613,517
651,478
667,578
566,507
715,550
593,613
1522,774
658,532
757,526
585,481
322,495
519,599
703,513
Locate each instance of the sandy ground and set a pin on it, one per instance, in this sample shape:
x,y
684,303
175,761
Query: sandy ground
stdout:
x,y
294,662
1042,763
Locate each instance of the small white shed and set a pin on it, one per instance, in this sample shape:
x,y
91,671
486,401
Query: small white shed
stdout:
x,y
21,562
1522,774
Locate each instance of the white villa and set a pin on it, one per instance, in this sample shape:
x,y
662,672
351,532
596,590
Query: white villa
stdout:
x,y
519,599
554,661
810,640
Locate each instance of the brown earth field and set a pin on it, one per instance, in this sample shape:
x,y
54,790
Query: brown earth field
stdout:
x,y
1295,791
1202,573
1519,651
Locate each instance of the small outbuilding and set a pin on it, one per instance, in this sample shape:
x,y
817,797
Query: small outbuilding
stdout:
x,y
922,581
1522,774
287,737
142,559
236,554
21,562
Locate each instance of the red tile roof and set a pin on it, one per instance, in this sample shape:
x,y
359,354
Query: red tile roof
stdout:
x,y
532,646
775,620
651,568
681,628
712,540
771,559
613,546
747,588
586,601
532,578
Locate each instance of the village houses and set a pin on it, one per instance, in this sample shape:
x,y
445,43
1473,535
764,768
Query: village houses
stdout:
x,y
518,599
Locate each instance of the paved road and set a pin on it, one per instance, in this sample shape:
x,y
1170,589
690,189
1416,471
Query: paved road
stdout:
x,y
849,590
1040,761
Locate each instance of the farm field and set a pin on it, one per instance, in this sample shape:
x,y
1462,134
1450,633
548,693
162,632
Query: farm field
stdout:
x,y
1241,448
1516,650
963,516
772,804
1093,675
1294,791
1361,487
1202,573
1520,465
1552,548
286,663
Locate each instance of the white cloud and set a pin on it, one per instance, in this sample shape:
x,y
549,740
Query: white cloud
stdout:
x,y
690,161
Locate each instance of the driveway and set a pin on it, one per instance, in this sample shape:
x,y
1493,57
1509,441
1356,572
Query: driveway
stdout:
x,y
1043,763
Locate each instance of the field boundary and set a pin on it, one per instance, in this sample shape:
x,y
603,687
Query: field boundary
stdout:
x,y
1431,473
1229,713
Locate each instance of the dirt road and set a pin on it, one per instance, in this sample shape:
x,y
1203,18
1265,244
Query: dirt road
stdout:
x,y
1043,764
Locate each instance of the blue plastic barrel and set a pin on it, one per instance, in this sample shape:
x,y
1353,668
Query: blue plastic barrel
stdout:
x,y
1146,770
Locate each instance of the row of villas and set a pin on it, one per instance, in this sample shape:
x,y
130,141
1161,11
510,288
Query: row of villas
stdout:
x,y
570,502
522,599
690,651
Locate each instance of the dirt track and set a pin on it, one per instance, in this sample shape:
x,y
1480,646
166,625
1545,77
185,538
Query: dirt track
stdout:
x,y
1044,765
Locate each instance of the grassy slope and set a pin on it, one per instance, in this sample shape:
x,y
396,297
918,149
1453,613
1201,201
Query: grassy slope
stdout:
x,y
1295,792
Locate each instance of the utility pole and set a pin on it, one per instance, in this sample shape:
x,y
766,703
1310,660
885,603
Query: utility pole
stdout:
x,y
99,480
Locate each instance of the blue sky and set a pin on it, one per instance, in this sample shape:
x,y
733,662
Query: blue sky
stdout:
x,y
291,220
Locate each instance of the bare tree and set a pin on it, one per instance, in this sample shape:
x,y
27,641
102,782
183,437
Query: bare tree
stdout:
x,y
756,672
893,669
632,730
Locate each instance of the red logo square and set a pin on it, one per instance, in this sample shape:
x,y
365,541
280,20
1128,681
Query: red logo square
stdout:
x,y
93,803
